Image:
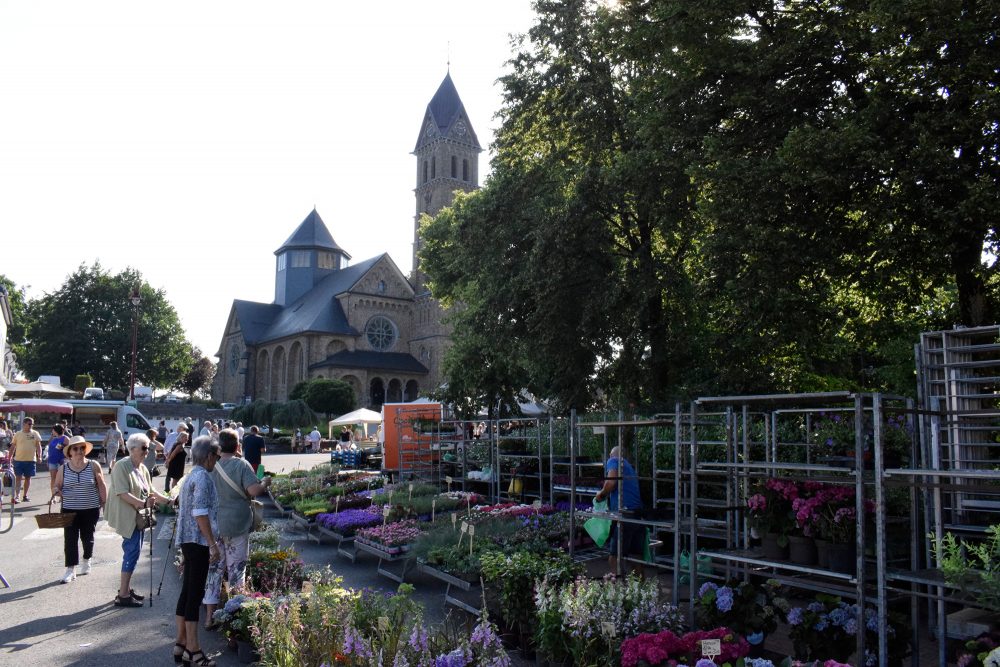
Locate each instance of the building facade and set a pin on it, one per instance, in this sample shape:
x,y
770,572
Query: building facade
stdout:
x,y
366,324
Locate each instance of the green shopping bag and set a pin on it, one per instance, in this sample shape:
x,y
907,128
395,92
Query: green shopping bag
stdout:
x,y
598,528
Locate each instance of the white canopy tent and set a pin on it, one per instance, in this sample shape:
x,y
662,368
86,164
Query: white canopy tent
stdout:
x,y
361,416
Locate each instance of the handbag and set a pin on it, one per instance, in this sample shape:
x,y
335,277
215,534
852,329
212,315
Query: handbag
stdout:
x,y
145,518
256,507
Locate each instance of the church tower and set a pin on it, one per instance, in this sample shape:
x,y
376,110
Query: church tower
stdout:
x,y
309,255
447,153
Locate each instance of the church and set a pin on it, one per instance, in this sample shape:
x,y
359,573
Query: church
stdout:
x,y
365,323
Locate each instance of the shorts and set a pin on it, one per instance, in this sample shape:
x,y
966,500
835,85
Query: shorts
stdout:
x,y
24,468
54,466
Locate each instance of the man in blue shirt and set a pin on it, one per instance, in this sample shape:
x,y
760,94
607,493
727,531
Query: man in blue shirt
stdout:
x,y
632,535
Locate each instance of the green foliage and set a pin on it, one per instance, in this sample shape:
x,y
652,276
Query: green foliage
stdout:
x,y
83,381
327,397
86,327
18,310
293,414
972,567
199,376
512,579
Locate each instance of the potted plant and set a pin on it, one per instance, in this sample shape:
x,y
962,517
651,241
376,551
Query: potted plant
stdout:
x,y
769,511
275,572
668,649
749,610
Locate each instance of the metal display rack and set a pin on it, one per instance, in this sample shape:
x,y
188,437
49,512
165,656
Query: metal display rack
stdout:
x,y
518,443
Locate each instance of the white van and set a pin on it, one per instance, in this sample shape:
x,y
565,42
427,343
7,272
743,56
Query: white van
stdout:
x,y
93,394
143,393
96,416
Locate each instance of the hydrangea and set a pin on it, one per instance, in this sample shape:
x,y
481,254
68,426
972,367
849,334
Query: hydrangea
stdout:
x,y
706,588
795,616
724,598
704,662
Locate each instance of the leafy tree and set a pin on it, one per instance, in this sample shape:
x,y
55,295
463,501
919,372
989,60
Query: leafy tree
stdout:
x,y
293,414
86,327
199,377
82,382
299,391
330,397
18,308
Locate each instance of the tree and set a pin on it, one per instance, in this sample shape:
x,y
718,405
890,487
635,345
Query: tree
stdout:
x,y
82,382
199,377
86,327
329,397
18,308
294,414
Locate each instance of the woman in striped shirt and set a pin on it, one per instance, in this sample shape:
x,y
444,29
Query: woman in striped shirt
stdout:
x,y
80,484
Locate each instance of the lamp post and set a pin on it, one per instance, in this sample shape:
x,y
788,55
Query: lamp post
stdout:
x,y
135,300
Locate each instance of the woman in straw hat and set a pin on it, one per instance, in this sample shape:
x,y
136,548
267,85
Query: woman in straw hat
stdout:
x,y
79,483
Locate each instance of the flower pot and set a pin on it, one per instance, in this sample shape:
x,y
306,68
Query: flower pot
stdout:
x,y
772,550
246,653
756,641
801,550
843,558
822,553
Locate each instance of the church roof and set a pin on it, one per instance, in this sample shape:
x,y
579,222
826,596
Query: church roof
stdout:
x,y
312,233
445,108
318,310
386,361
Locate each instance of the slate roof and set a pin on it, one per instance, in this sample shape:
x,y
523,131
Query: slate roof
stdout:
x,y
386,361
312,233
318,310
444,108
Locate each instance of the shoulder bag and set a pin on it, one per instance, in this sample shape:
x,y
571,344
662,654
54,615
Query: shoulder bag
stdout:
x,y
256,507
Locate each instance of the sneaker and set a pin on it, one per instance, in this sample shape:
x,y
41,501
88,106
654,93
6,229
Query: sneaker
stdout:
x,y
26,499
85,566
70,575
126,602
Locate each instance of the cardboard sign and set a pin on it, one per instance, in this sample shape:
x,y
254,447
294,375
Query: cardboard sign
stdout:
x,y
710,648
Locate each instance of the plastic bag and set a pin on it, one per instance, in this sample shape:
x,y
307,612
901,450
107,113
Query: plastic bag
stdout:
x,y
598,528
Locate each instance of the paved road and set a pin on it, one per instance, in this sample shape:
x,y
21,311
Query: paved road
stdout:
x,y
46,622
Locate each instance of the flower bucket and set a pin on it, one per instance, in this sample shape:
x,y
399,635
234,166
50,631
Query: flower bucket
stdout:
x,y
802,550
756,641
773,550
843,558
246,653
823,553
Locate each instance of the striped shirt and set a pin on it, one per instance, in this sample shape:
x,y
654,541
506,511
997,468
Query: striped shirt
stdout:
x,y
79,489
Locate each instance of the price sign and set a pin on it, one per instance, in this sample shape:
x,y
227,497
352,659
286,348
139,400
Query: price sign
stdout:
x,y
337,505
537,504
448,480
454,517
472,532
608,629
465,527
710,648
434,503
385,515
411,491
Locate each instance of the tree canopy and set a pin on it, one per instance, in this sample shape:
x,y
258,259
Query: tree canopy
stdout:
x,y
733,197
85,327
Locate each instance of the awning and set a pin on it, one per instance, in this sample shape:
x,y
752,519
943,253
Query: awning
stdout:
x,y
35,405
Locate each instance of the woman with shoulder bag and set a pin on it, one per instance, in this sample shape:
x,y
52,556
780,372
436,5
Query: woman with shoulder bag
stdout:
x,y
79,484
236,483
131,491
197,533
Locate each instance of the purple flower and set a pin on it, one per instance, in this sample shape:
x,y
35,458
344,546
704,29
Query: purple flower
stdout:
x,y
704,662
795,616
706,588
724,598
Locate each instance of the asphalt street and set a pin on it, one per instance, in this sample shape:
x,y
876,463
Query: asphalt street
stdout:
x,y
46,622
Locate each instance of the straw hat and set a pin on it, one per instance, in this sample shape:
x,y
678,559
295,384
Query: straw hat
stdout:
x,y
78,440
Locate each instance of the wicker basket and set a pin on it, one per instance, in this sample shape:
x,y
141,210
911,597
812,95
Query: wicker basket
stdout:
x,y
54,520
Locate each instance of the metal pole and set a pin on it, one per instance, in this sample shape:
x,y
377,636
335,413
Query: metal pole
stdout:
x,y
880,541
859,508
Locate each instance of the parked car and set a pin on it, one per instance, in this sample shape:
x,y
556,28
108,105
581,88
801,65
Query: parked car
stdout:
x,y
228,406
93,394
170,398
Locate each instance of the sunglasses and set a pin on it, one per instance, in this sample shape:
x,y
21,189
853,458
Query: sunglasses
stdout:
x,y
145,449
80,448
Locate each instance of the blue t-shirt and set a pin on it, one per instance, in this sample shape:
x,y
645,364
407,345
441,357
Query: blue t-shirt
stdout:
x,y
629,486
56,454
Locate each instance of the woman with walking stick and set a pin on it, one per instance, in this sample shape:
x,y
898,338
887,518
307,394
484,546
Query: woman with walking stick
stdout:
x,y
131,490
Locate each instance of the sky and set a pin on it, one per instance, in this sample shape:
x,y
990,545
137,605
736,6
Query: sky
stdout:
x,y
189,139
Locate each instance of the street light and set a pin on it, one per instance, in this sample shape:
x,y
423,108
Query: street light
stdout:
x,y
135,300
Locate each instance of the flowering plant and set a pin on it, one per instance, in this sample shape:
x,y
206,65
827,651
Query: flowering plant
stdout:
x,y
974,652
826,629
666,648
625,608
346,522
241,614
392,534
769,508
512,578
278,571
741,606
828,510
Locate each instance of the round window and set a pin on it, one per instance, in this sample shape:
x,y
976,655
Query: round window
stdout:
x,y
381,333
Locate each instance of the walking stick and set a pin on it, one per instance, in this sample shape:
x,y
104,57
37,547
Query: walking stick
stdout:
x,y
151,538
166,560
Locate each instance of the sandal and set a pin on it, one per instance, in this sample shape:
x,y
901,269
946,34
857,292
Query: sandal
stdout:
x,y
213,626
197,658
179,652
135,596
126,602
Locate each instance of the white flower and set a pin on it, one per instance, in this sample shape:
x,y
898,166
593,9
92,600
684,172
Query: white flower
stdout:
x,y
992,659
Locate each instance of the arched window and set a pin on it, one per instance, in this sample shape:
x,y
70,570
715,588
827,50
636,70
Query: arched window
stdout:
x,y
394,394
411,392
433,167
465,170
454,167
425,171
377,392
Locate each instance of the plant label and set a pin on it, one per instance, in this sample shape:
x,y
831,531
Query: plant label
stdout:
x,y
710,648
447,479
454,518
337,505
537,504
608,629
383,623
472,530
434,503
465,527
411,491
